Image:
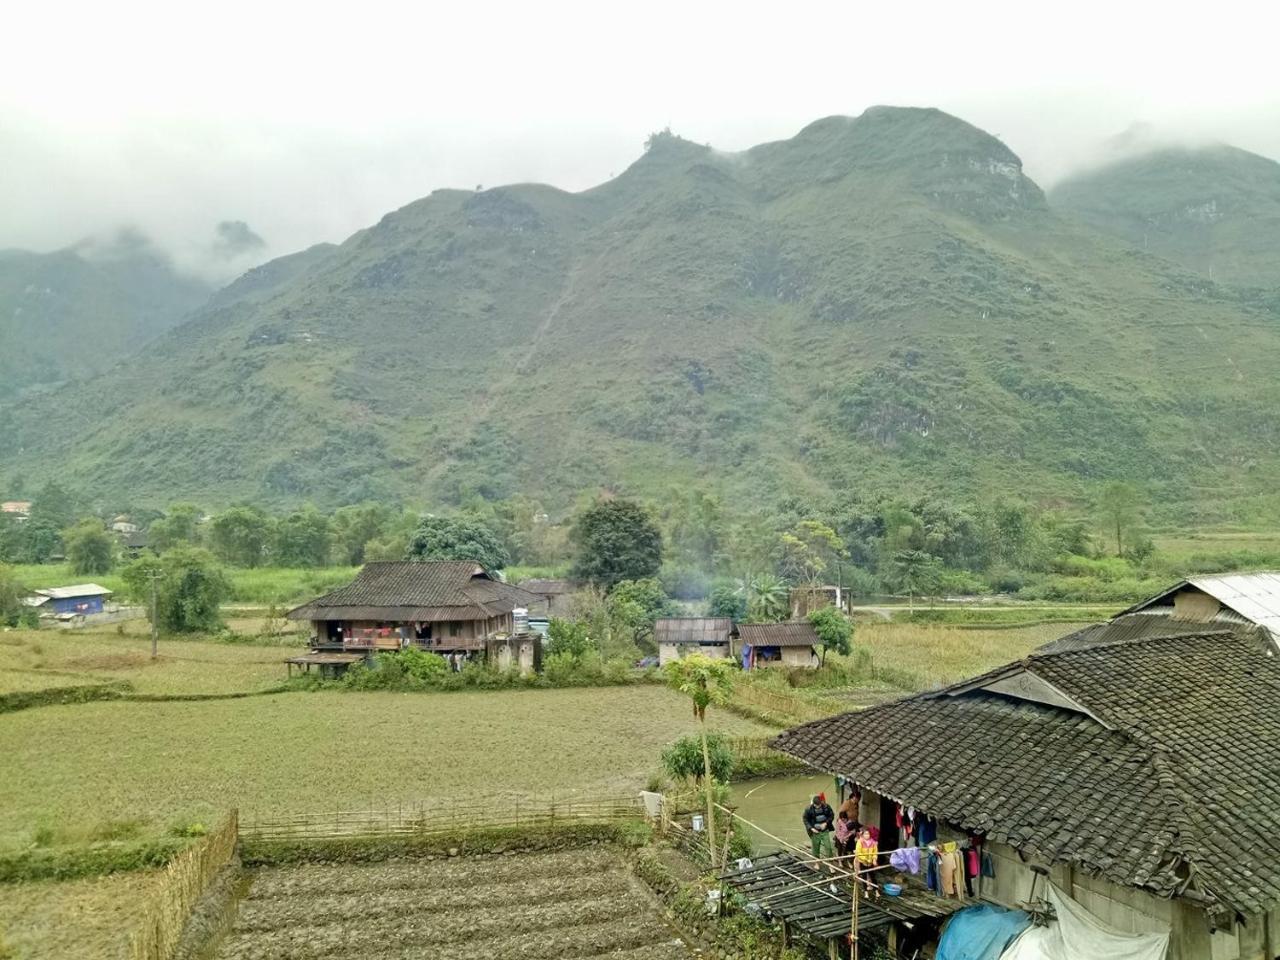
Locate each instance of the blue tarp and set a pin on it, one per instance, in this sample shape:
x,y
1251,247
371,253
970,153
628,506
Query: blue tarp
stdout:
x,y
980,933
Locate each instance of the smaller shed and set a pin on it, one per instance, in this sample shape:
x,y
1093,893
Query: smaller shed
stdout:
x,y
792,643
678,637
82,599
556,597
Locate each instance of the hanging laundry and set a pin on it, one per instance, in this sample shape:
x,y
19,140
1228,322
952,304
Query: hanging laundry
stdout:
x,y
928,831
950,870
906,859
931,872
988,865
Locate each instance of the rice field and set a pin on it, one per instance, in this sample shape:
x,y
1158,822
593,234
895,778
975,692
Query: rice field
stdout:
x,y
922,656
173,762
72,920
39,659
574,903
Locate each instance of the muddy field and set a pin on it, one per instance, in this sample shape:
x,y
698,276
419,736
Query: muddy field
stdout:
x,y
573,904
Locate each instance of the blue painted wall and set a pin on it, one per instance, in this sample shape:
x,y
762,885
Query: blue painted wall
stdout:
x,y
77,605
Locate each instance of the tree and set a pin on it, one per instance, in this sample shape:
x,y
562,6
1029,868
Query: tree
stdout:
x,y
353,527
915,572
616,540
809,550
638,604
683,759
728,599
90,548
54,506
180,525
569,637
834,630
768,598
1120,507
457,538
189,589
706,682
302,539
11,593
239,536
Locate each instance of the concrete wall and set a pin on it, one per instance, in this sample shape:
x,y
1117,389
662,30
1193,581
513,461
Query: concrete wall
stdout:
x,y
799,657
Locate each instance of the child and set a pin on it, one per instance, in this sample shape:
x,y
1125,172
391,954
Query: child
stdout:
x,y
846,830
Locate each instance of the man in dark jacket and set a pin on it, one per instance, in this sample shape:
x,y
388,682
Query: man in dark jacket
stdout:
x,y
819,821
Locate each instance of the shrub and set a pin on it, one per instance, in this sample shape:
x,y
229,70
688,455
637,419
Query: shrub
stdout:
x,y
683,759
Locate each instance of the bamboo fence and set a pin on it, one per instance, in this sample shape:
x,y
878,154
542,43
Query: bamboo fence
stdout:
x,y
752,748
421,820
185,878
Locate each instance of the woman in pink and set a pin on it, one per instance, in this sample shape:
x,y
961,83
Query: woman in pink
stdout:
x,y
844,834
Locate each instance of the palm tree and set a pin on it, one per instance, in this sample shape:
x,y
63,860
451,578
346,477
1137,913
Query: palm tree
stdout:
x,y
706,681
768,598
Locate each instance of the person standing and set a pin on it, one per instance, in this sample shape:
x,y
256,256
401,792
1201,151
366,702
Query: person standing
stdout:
x,y
819,823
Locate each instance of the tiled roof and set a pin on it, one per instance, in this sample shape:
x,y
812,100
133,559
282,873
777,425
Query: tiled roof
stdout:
x,y
434,590
793,633
1166,775
1134,626
692,630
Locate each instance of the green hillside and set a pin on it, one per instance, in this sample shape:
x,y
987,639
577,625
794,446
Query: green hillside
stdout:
x,y
881,303
75,312
1215,209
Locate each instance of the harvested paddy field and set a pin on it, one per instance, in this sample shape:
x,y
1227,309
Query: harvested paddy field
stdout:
x,y
574,904
170,762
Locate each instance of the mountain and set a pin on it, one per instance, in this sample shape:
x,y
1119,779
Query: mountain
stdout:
x,y
74,312
879,304
1213,209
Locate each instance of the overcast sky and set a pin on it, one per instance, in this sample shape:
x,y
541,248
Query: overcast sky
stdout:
x,y
310,121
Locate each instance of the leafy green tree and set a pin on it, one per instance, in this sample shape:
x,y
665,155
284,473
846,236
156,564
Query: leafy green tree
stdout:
x,y
91,550
457,538
11,593
768,598
181,525
808,550
54,506
834,630
302,539
728,599
1119,507
355,526
706,682
239,536
638,604
570,637
682,760
616,540
915,572
189,591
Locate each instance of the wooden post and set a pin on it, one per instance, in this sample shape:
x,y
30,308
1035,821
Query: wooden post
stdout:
x,y
855,894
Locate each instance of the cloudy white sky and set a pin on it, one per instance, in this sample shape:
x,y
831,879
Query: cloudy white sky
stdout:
x,y
309,121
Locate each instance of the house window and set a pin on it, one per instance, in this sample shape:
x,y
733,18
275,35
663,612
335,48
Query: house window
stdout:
x,y
455,629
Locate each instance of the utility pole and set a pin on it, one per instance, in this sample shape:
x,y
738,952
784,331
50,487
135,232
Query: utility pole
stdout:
x,y
155,576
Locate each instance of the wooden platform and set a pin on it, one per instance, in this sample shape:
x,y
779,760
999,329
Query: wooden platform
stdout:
x,y
820,905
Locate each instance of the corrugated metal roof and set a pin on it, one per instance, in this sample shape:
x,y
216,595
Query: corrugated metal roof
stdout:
x,y
692,630
1255,596
1135,626
73,591
793,633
